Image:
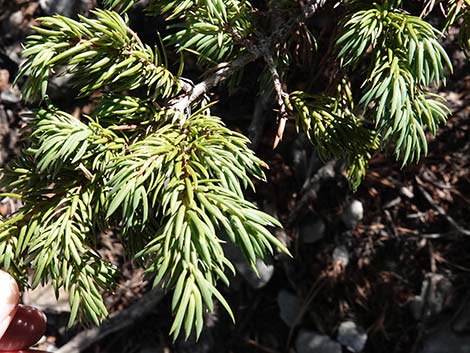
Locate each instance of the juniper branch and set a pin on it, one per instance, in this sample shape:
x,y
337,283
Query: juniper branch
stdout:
x,y
281,97
265,45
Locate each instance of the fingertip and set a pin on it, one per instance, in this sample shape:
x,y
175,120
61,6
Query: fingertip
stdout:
x,y
9,290
9,299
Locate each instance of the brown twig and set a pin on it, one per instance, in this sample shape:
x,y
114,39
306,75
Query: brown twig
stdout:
x,y
86,172
124,127
136,38
310,190
314,290
224,70
441,211
258,346
280,96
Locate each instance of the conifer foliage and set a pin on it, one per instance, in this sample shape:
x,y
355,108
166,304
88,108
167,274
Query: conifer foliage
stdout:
x,y
152,163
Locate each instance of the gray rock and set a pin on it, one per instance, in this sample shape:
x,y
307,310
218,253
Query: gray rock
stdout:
x,y
416,307
444,340
51,348
351,336
352,214
461,320
62,7
341,255
289,306
430,302
313,342
16,18
311,229
10,96
265,273
43,298
265,269
299,159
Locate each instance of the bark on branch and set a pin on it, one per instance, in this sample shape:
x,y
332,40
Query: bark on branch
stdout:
x,y
280,96
224,70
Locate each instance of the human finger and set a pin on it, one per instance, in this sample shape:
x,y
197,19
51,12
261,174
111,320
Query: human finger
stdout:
x,y
9,298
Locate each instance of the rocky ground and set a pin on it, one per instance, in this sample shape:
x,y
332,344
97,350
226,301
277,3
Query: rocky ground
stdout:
x,y
384,270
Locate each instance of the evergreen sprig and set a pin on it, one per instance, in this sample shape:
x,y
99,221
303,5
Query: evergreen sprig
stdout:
x,y
330,124
171,186
406,57
214,30
175,188
101,52
190,180
458,13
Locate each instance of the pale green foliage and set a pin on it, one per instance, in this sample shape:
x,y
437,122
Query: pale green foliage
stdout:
x,y
405,58
459,13
192,178
120,6
170,178
171,186
329,123
212,37
56,228
102,52
213,29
